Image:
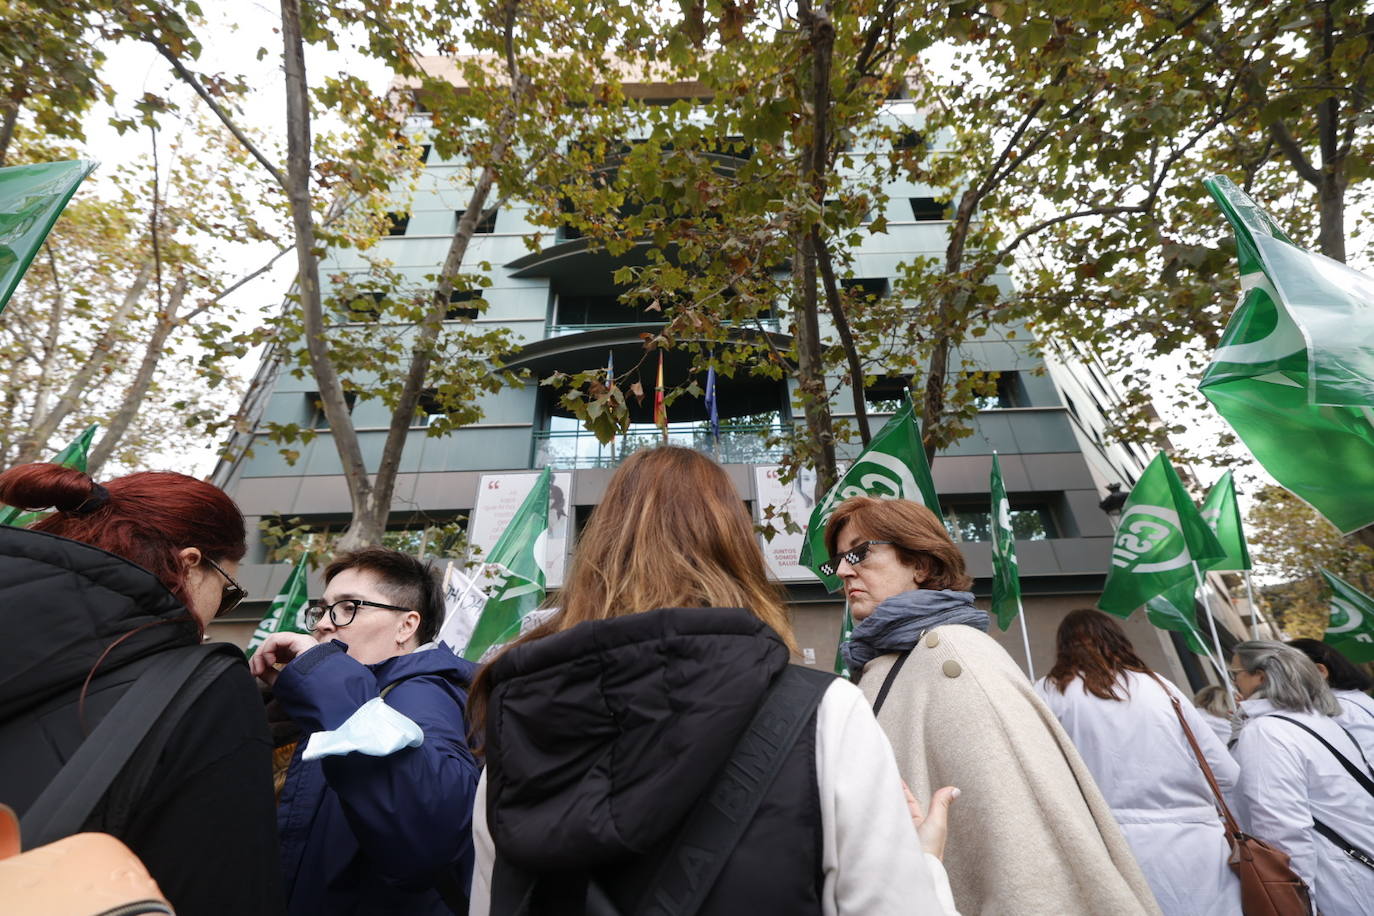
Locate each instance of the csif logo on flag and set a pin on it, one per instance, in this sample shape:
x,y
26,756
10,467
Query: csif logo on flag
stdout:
x,y
876,474
1347,618
1145,529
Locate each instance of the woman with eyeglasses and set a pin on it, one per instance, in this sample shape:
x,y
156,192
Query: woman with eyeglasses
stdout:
x,y
108,589
1034,835
375,814
1304,782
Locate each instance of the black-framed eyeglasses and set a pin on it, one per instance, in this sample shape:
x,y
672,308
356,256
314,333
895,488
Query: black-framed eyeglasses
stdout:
x,y
341,612
854,556
233,592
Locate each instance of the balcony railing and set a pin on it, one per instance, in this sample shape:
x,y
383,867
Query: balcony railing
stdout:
x,y
562,330
580,449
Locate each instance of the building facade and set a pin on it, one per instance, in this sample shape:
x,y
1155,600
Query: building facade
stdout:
x,y
1046,421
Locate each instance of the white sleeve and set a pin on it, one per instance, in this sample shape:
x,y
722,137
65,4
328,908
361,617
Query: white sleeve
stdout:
x,y
1223,765
484,850
871,857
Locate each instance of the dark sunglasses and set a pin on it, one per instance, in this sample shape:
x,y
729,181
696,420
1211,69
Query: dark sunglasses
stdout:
x,y
233,592
854,556
341,612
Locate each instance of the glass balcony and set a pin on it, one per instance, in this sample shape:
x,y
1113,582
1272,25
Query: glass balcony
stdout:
x,y
739,444
771,325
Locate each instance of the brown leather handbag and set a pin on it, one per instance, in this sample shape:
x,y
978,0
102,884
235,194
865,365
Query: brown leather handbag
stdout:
x,y
1268,884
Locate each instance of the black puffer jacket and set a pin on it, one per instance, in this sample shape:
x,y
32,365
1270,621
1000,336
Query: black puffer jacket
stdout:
x,y
601,739
205,825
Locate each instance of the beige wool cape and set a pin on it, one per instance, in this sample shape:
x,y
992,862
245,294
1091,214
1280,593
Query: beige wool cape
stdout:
x,y
1031,834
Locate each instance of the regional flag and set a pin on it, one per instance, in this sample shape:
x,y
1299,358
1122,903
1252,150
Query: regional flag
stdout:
x,y
1351,629
893,466
1006,575
1160,536
286,612
1294,375
73,456
518,558
712,413
1222,512
31,199
660,409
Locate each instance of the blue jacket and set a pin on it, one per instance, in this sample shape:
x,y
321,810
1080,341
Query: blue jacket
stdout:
x,y
362,834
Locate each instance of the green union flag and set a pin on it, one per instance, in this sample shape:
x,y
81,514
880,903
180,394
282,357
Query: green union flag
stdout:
x,y
1294,374
1222,512
519,553
1160,536
1006,575
73,456
1351,629
284,614
1175,610
31,199
893,467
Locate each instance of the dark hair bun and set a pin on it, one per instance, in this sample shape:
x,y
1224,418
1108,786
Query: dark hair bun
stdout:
x,y
43,485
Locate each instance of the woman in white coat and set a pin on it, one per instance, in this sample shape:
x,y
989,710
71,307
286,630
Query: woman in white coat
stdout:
x,y
1290,781
1349,685
1120,717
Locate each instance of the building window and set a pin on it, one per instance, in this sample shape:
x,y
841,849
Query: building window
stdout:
x,y
485,226
461,305
396,223
972,521
424,153
429,408
599,310
865,288
1073,408
316,409
910,139
888,393
1011,392
928,209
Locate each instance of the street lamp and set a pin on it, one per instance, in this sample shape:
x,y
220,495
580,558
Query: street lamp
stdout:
x,y
1113,502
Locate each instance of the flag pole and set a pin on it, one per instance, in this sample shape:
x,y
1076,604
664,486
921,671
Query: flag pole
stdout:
x,y
1216,639
1025,638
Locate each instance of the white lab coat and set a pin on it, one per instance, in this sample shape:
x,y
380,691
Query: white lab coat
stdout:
x,y
1286,779
1147,771
1357,717
1220,725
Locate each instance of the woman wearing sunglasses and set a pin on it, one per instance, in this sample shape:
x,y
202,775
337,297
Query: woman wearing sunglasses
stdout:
x,y
96,594
1034,835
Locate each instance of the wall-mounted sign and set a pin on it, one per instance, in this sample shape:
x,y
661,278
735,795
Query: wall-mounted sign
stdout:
x,y
498,498
796,499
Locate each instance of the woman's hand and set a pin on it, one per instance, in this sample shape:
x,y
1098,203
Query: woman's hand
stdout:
x,y
278,649
933,826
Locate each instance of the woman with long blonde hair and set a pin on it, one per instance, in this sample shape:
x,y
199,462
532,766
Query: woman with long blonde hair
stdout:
x,y
606,727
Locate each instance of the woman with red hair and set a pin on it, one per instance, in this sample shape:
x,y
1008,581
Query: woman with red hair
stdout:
x,y
110,587
1122,719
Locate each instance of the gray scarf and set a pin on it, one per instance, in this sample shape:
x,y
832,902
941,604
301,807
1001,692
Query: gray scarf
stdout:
x,y
898,623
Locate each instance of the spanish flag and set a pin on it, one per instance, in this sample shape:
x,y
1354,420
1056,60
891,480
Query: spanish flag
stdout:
x,y
660,409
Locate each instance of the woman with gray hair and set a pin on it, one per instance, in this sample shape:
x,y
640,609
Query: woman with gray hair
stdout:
x,y
1303,779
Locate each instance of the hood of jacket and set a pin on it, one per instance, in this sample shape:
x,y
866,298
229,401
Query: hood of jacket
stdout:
x,y
600,739
63,603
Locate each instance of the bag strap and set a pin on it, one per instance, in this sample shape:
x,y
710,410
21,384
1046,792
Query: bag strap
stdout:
x,y
1345,846
78,787
1232,827
1365,782
889,681
713,829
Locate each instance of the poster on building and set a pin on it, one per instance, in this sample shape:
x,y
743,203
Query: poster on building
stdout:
x,y
498,498
795,498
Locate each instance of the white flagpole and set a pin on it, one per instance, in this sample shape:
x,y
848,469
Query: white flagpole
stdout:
x,y
1255,612
1025,638
1216,640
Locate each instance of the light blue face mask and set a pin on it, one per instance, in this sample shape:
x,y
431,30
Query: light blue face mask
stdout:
x,y
375,729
